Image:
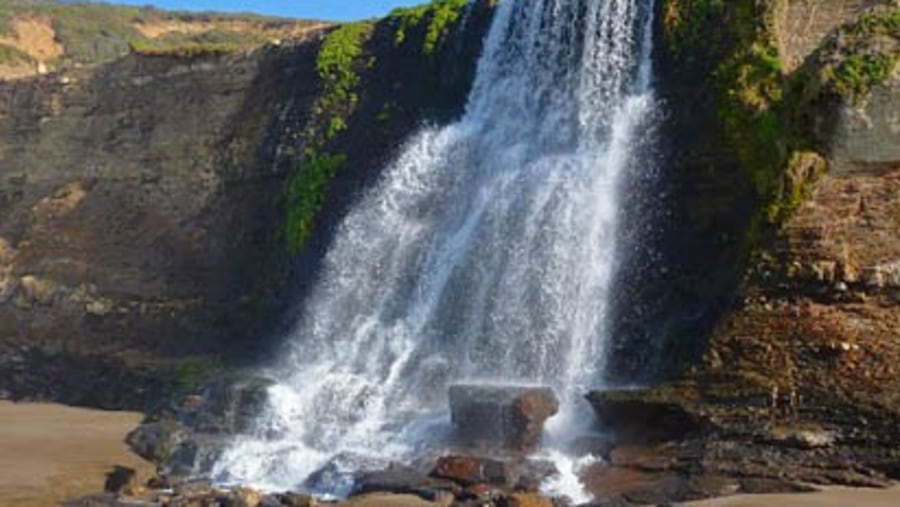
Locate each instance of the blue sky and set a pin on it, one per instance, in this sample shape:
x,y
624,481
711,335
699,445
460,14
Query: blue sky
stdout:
x,y
338,10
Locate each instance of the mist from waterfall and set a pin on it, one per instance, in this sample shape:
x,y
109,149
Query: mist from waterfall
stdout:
x,y
486,252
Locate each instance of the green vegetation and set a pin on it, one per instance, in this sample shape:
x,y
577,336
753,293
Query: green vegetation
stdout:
x,y
189,374
862,55
756,106
306,194
338,68
439,14
338,64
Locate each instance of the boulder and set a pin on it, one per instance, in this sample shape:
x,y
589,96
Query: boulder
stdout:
x,y
402,480
120,480
506,417
471,470
185,438
641,416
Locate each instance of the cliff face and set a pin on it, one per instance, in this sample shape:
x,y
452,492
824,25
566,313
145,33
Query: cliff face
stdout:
x,y
782,173
142,203
137,207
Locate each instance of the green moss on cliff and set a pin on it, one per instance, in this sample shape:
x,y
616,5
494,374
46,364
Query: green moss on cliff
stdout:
x,y
754,106
305,196
439,14
338,65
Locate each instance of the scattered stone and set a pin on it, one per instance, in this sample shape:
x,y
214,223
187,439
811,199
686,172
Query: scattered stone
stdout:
x,y
296,500
802,438
246,497
470,470
508,417
388,500
120,480
528,500
37,290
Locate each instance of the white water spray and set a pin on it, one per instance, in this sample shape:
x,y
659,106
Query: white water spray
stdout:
x,y
486,252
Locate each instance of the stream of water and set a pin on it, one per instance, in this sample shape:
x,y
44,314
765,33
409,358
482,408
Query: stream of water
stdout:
x,y
486,252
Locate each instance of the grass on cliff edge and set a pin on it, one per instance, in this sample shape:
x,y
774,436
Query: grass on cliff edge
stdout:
x,y
94,33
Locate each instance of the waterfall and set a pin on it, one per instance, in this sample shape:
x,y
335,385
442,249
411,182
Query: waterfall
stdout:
x,y
487,250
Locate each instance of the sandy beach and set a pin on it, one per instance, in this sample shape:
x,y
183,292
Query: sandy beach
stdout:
x,y
49,453
828,497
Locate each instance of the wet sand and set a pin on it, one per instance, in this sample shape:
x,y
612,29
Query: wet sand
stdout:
x,y
50,453
828,497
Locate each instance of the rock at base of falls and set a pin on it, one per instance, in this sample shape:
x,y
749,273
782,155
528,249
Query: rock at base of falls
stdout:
x,y
636,417
506,417
185,437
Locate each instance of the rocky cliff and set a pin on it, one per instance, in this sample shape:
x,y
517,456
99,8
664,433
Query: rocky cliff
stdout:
x,y
143,201
782,169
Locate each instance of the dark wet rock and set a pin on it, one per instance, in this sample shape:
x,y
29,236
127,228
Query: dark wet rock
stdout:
x,y
470,470
185,438
120,479
636,417
532,473
399,479
508,417
156,441
595,445
342,472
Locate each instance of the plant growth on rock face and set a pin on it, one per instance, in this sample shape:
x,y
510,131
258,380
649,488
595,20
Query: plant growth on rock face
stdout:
x,y
861,55
754,100
439,14
338,64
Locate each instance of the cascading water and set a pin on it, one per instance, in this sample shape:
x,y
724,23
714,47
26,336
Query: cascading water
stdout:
x,y
486,252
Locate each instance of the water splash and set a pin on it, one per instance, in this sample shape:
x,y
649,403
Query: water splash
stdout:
x,y
487,251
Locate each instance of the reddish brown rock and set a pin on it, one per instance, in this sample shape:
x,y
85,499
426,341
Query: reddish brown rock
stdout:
x,y
471,470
